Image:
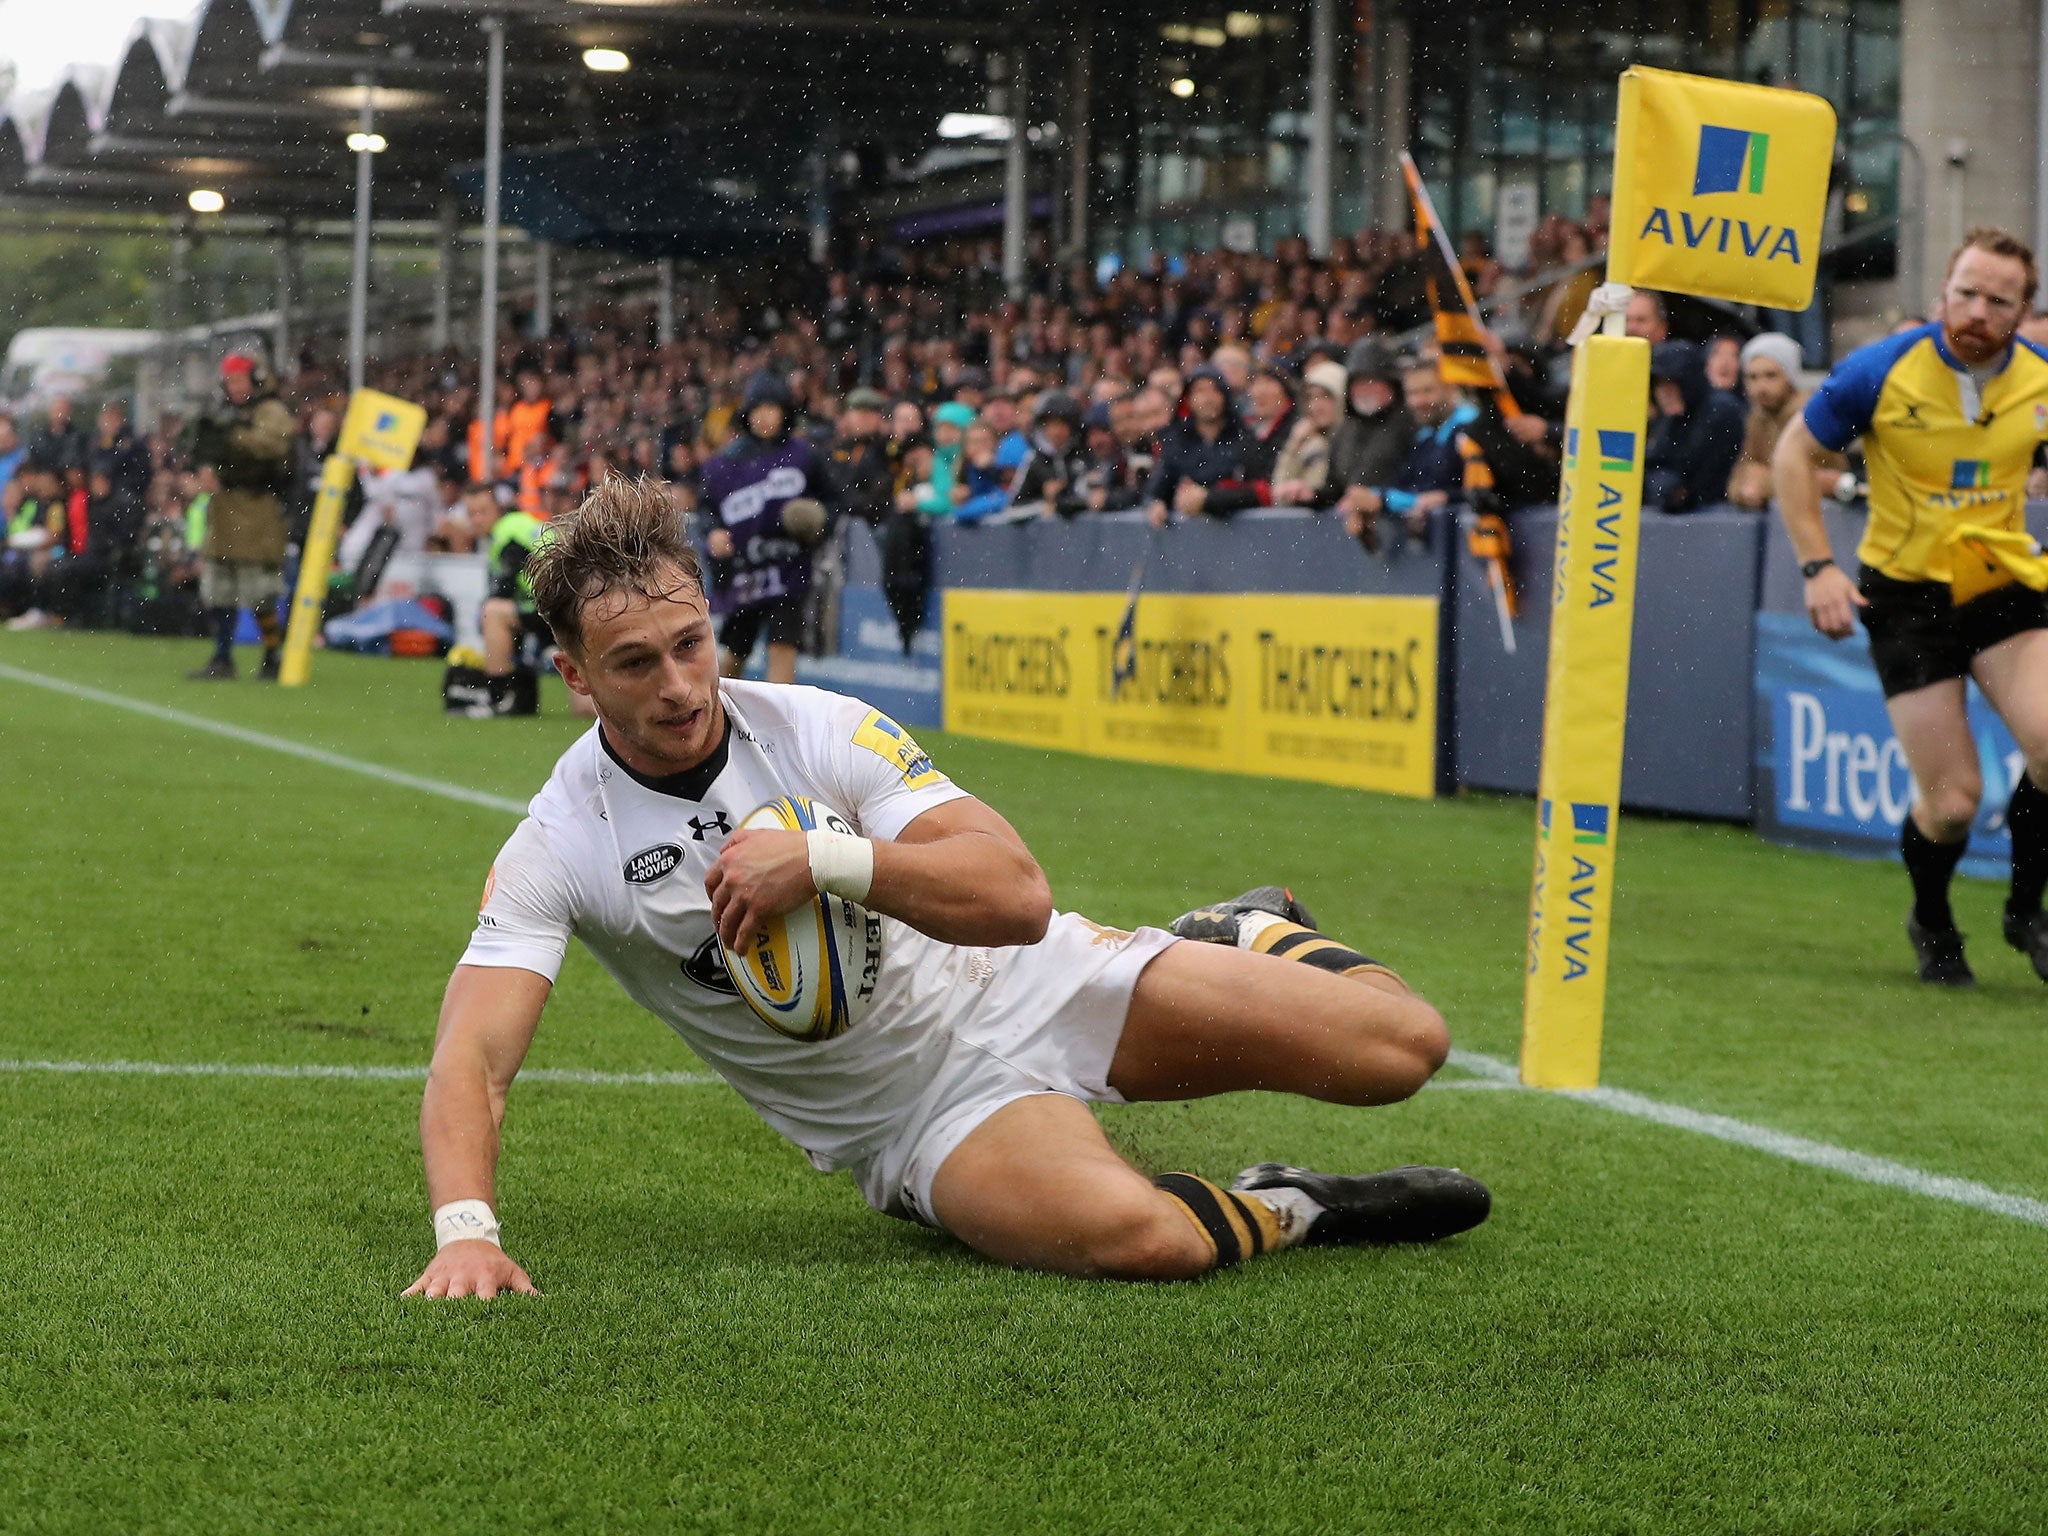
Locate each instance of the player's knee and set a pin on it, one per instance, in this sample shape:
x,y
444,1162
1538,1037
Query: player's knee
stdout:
x,y
1147,1239
1429,1039
1403,1053
1951,806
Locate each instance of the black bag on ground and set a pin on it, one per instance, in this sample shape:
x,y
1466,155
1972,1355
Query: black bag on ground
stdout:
x,y
467,691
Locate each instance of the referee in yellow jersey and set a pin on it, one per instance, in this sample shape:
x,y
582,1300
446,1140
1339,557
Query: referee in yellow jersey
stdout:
x,y
1950,414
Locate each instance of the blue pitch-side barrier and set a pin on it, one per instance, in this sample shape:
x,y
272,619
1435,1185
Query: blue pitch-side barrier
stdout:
x,y
1690,665
1829,770
1737,709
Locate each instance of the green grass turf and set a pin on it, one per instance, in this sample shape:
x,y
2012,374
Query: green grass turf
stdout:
x,y
199,1327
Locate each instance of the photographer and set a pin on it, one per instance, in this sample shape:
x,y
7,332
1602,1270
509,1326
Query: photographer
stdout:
x,y
766,493
246,439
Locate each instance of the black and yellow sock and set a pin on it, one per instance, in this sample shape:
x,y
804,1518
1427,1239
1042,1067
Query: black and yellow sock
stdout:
x,y
1291,941
1236,1226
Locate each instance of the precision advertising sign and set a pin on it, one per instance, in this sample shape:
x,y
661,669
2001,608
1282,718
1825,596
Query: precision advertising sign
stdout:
x,y
1719,188
1830,771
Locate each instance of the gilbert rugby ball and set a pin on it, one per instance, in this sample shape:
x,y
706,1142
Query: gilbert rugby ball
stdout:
x,y
809,974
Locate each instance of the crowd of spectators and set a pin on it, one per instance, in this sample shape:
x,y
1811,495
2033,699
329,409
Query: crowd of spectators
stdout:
x,y
1197,387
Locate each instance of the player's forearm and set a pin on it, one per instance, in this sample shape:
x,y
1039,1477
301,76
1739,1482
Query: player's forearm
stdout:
x,y
971,888
459,1118
1792,476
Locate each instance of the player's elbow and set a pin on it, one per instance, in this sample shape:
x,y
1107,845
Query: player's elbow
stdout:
x,y
1028,912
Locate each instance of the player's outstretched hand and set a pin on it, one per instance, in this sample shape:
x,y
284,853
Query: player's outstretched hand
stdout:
x,y
1832,601
472,1268
760,874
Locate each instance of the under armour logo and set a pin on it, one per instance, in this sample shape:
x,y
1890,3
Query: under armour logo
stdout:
x,y
717,823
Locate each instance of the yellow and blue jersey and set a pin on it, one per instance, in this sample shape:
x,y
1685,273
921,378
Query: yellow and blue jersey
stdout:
x,y
1933,461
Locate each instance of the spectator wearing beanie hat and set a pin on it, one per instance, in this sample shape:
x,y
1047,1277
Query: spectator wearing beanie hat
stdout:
x,y
1770,378
1051,473
1302,472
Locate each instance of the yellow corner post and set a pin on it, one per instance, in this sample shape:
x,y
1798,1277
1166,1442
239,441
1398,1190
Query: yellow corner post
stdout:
x,y
1719,190
383,432
1585,708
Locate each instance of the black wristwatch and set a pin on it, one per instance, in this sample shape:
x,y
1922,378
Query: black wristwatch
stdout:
x,y
1813,568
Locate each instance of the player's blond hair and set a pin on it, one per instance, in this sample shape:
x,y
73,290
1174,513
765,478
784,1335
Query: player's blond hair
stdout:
x,y
626,537
1998,242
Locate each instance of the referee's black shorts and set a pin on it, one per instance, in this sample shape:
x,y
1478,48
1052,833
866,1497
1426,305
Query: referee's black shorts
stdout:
x,y
1919,635
781,617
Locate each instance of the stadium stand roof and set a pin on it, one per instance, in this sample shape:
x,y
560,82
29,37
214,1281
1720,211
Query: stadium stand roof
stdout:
x,y
255,99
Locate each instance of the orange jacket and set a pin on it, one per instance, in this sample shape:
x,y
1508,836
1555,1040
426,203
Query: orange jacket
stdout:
x,y
524,420
501,431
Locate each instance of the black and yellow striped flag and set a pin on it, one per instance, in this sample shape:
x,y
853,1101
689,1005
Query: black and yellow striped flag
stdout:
x,y
1464,359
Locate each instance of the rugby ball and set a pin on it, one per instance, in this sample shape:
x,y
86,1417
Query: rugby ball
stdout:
x,y
809,974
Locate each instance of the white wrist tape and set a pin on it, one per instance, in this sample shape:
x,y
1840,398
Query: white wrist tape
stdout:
x,y
463,1220
842,865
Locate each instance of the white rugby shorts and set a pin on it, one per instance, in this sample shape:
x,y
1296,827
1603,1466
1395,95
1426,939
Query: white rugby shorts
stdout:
x,y
1007,1046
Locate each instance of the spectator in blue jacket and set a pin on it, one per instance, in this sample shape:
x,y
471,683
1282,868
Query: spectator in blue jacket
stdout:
x,y
1444,464
1695,434
986,482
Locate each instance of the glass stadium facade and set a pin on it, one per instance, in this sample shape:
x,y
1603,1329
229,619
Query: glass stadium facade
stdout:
x,y
1488,98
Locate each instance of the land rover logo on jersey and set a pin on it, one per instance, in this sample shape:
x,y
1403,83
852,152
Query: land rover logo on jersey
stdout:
x,y
707,968
651,864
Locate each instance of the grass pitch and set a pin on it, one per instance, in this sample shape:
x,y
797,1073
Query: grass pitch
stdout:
x,y
199,1323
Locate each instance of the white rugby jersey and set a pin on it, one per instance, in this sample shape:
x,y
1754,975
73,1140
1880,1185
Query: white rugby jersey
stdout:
x,y
619,860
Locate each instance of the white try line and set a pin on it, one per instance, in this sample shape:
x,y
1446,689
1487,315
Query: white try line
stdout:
x,y
251,738
379,1074
1486,1070
1797,1149
575,1075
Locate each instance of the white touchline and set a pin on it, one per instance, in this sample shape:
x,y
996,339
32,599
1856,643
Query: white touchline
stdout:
x,y
1798,1149
1487,1071
320,755
576,1075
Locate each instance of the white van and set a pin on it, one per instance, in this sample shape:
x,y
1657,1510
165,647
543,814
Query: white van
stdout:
x,y
47,361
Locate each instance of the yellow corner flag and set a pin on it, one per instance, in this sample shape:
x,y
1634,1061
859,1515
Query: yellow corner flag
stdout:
x,y
381,431
1585,707
1719,188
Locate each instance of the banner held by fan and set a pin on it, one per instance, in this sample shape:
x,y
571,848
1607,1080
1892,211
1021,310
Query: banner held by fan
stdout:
x,y
1461,342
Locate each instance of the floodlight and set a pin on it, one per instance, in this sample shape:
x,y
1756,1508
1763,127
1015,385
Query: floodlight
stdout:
x,y
973,125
